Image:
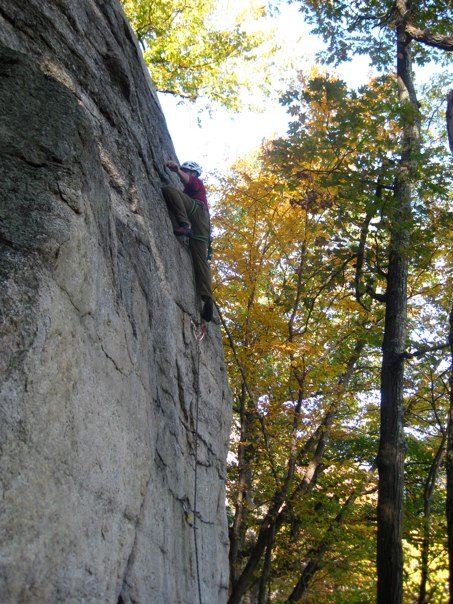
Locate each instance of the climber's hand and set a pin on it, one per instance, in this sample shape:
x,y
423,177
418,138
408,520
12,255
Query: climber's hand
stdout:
x,y
173,166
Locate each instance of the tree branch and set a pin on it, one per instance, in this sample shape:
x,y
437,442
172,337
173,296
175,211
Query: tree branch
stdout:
x,y
425,36
421,351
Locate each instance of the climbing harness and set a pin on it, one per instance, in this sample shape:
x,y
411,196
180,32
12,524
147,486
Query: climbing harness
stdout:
x,y
199,333
195,205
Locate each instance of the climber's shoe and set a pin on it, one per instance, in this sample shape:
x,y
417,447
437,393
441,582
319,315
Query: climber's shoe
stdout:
x,y
208,309
183,230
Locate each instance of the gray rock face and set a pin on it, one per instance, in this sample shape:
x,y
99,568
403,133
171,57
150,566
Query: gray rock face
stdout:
x,y
99,365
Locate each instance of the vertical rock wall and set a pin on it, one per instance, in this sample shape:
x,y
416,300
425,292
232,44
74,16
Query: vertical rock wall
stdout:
x,y
98,362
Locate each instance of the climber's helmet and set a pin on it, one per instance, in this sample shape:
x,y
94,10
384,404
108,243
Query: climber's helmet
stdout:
x,y
192,166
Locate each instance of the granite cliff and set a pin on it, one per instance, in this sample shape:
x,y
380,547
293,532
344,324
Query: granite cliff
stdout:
x,y
99,365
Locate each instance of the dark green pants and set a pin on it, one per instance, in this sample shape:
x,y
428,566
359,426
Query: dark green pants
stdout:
x,y
186,209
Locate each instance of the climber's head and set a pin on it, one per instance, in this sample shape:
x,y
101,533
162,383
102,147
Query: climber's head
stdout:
x,y
191,166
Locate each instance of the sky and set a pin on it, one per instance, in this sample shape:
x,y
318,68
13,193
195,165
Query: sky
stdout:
x,y
215,141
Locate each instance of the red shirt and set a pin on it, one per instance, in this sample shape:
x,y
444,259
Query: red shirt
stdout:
x,y
195,189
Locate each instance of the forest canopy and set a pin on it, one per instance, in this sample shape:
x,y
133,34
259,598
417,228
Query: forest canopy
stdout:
x,y
301,263
202,48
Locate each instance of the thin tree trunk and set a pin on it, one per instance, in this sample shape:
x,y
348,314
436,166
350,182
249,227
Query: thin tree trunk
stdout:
x,y
449,468
427,497
242,489
282,503
247,417
390,458
267,567
317,554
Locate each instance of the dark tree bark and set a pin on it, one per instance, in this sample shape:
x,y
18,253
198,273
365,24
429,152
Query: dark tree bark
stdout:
x,y
267,566
449,118
390,458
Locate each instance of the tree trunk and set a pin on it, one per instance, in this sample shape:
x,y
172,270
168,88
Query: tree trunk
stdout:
x,y
317,554
390,458
449,118
449,467
267,567
427,498
242,488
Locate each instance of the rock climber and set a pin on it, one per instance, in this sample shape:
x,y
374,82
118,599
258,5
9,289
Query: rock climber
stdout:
x,y
190,210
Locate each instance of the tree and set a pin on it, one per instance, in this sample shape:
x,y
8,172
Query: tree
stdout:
x,y
302,257
349,27
286,277
279,362
198,49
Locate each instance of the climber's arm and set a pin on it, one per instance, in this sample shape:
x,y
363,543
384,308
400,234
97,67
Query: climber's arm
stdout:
x,y
184,177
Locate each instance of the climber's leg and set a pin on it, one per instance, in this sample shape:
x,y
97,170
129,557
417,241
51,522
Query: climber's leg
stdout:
x,y
199,247
208,309
180,205
202,271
